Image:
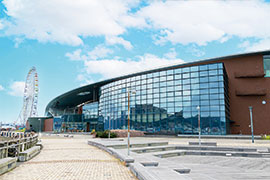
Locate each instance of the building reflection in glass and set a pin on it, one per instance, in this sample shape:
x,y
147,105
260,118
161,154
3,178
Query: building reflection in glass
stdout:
x,y
166,101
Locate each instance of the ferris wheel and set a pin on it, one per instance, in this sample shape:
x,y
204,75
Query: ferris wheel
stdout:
x,y
30,98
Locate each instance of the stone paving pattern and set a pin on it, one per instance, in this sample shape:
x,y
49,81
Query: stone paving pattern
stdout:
x,y
70,159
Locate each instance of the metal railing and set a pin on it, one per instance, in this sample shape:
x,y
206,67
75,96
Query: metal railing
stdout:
x,y
16,142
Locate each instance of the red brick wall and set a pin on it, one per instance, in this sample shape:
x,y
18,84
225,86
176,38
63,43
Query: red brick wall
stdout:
x,y
48,124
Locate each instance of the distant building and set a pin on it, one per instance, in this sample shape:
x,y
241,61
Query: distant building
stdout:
x,y
167,98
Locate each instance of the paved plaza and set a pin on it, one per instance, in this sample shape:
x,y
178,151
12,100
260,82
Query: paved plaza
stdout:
x,y
230,159
70,159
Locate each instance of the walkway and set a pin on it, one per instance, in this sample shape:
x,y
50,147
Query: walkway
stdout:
x,y
70,159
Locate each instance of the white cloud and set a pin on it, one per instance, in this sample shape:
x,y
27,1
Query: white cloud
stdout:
x,y
18,41
171,54
201,22
99,51
112,40
109,68
75,55
85,79
261,45
1,88
67,21
195,51
1,24
17,88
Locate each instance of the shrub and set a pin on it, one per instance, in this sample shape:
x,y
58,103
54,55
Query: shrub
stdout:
x,y
105,134
99,133
266,137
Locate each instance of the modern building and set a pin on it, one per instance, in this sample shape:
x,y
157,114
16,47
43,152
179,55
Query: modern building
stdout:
x,y
169,100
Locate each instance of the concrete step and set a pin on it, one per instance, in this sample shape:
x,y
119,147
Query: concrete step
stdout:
x,y
159,173
202,143
135,145
174,153
29,153
201,148
7,164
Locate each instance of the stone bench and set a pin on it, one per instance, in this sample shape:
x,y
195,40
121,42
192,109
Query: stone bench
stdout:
x,y
29,153
202,143
7,164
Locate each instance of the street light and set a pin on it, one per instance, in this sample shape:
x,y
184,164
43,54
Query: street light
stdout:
x,y
199,125
109,127
251,123
39,127
128,142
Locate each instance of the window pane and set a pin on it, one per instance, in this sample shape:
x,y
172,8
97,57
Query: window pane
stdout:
x,y
266,64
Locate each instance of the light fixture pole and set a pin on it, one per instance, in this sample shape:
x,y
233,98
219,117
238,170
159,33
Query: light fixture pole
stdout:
x,y
251,123
199,125
109,127
128,142
39,127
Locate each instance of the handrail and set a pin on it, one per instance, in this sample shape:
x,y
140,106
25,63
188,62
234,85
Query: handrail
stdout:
x,y
20,142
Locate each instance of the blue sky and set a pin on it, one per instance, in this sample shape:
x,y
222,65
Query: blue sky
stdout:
x,y
74,43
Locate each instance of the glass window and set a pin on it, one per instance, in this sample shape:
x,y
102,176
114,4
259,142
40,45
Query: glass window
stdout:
x,y
213,72
203,79
213,78
163,78
178,93
186,69
194,74
170,88
163,89
163,73
178,76
203,67
213,91
220,65
178,71
186,87
186,93
204,85
178,98
204,91
170,77
144,76
212,66
169,72
178,82
266,65
206,96
170,83
194,86
186,81
194,68
186,75
203,73
213,85
156,90
149,75
156,74
163,84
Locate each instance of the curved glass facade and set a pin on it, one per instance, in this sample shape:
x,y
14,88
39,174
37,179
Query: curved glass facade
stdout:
x,y
166,101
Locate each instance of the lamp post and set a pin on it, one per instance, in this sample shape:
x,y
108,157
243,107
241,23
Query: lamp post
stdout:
x,y
251,123
109,127
199,125
39,127
128,141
